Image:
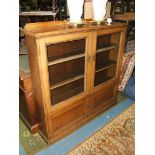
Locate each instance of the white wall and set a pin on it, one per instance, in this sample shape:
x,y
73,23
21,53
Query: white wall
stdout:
x,y
88,10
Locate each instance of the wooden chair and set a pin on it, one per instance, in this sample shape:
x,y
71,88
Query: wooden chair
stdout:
x,y
123,11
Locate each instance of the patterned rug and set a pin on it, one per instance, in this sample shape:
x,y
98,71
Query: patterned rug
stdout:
x,y
31,143
116,138
128,65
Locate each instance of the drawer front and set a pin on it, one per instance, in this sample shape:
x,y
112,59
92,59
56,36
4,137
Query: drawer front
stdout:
x,y
101,97
68,118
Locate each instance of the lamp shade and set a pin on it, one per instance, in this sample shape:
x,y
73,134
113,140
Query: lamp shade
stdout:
x,y
75,8
99,9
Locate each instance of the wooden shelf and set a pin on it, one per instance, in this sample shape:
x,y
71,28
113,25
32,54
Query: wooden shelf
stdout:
x,y
65,55
67,81
62,93
104,66
106,47
66,59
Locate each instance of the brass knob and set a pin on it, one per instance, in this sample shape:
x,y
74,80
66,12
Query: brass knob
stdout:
x,y
88,58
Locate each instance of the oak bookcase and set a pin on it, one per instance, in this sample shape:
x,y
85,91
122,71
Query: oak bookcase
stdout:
x,y
75,72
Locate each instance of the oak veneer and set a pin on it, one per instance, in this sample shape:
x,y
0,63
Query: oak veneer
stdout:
x,y
75,72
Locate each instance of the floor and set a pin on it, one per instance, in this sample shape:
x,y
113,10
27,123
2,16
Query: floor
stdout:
x,y
67,143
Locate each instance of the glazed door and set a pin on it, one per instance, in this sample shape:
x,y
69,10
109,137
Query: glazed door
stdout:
x,y
106,54
106,57
67,62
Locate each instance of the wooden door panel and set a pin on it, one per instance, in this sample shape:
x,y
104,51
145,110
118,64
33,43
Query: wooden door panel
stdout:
x,y
102,96
65,119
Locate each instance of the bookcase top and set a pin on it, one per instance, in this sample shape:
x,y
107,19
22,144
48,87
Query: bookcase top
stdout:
x,y
43,29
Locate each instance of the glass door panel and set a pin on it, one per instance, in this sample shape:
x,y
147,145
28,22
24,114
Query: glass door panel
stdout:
x,y
66,91
66,66
65,49
66,71
106,57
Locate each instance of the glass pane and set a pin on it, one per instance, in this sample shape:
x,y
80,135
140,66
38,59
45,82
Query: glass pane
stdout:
x,y
106,57
104,75
65,49
66,91
66,66
66,71
108,40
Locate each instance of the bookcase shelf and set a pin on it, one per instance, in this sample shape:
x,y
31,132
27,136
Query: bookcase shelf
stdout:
x,y
104,66
64,92
65,59
74,78
106,47
66,72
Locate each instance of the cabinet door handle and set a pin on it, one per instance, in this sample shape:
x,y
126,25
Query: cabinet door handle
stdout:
x,y
88,58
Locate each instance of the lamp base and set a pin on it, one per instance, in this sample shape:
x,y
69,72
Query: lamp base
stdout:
x,y
97,22
79,23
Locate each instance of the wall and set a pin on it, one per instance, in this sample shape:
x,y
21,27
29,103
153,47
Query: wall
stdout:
x,y
88,9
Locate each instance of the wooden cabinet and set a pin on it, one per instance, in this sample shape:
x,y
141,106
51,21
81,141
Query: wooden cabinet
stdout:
x,y
27,107
75,72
